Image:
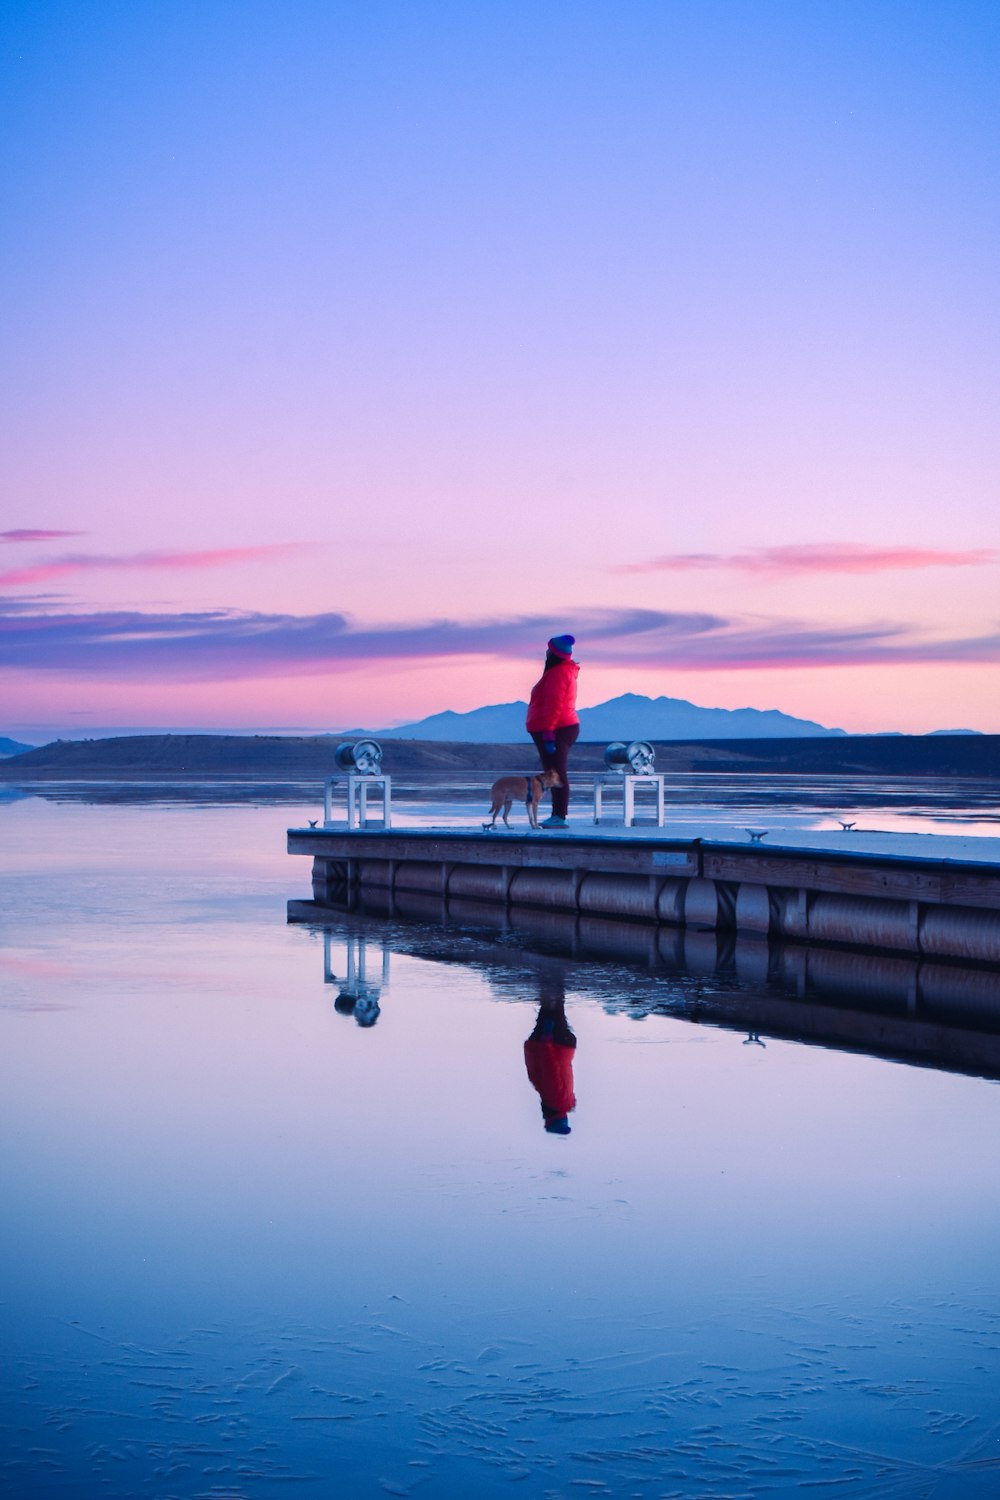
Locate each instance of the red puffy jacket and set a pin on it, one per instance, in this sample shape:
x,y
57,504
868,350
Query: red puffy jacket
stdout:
x,y
553,699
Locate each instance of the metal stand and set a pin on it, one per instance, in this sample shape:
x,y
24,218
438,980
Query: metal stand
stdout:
x,y
628,786
358,788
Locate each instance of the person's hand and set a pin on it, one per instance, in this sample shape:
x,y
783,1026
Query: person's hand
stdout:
x,y
550,745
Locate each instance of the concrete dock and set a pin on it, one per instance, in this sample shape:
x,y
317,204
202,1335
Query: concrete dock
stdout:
x,y
805,888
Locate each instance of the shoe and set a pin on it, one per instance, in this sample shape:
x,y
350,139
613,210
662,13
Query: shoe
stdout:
x,y
554,822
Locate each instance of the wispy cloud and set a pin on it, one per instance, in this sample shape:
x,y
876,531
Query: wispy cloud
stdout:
x,y
27,534
779,644
225,645
60,567
816,557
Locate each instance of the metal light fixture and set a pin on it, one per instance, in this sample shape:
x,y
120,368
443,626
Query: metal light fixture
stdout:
x,y
364,757
635,759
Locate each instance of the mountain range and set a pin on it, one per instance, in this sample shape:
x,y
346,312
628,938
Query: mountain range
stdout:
x,y
628,717
12,747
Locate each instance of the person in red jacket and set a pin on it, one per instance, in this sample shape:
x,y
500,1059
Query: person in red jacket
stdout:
x,y
552,721
548,1057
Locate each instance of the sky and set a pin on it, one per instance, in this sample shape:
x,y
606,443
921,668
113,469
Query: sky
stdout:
x,y
351,350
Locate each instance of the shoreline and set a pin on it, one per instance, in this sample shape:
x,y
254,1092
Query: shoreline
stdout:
x,y
283,758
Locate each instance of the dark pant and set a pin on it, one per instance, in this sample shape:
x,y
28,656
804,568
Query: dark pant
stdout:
x,y
556,760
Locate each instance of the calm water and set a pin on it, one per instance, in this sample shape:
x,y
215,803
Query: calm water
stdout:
x,y
699,803
254,1248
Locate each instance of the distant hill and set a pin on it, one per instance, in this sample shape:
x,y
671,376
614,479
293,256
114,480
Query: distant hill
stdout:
x,y
13,747
271,759
628,717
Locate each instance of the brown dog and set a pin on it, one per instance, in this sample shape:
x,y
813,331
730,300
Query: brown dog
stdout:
x,y
526,789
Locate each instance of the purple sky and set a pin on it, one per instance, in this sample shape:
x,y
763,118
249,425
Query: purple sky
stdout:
x,y
352,350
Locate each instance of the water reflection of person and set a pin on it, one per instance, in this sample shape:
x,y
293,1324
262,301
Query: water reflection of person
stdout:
x,y
548,1057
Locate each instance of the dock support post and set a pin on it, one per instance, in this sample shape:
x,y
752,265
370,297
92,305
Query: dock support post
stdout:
x,y
790,912
913,914
710,903
753,908
579,876
701,907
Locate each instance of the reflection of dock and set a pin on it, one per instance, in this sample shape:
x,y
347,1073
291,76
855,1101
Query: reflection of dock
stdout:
x,y
938,1014
936,909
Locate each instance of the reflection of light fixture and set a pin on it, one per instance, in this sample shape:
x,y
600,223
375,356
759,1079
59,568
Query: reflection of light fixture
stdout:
x,y
364,757
357,996
635,759
366,1010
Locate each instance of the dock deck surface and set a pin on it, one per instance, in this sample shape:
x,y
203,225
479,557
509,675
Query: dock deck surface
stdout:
x,y
779,837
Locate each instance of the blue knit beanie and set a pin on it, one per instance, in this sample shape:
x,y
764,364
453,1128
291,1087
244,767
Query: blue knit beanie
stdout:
x,y
562,645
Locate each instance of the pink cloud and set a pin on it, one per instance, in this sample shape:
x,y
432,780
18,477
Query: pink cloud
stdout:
x,y
229,646
27,534
817,557
42,968
59,567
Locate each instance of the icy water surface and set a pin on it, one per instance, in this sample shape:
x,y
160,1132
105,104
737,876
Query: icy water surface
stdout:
x,y
252,1247
698,804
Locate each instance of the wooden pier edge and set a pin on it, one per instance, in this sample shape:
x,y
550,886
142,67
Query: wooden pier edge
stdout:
x,y
936,909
